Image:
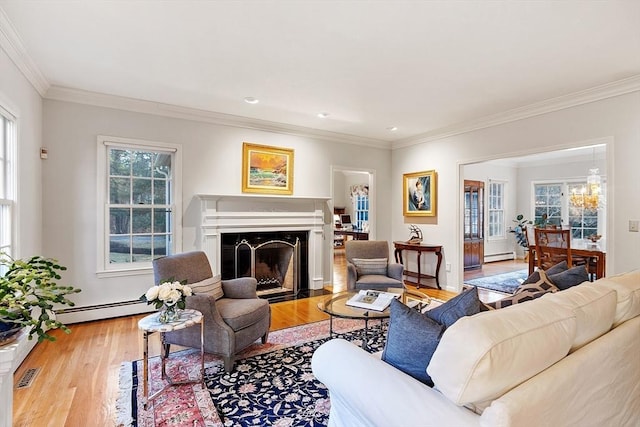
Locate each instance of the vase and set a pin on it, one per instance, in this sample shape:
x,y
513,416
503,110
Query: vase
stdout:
x,y
169,313
8,332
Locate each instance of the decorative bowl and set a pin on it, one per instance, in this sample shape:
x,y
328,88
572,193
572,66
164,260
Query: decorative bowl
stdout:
x,y
595,237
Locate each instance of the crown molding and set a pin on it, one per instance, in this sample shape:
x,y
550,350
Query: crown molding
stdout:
x,y
597,93
11,43
59,93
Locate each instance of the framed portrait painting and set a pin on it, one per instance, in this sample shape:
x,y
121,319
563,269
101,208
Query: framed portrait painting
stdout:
x,y
267,170
419,193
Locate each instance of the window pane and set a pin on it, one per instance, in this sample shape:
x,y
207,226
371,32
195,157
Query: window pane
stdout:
x,y
141,248
161,220
160,196
142,162
162,166
119,162
119,220
141,191
141,220
119,191
119,249
160,245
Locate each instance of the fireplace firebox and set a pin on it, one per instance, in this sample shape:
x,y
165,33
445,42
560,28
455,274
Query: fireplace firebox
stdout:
x,y
277,260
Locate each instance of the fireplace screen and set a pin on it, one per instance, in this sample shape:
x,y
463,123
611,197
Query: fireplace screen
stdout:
x,y
275,265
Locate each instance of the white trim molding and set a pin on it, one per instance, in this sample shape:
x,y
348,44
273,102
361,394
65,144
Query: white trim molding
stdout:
x,y
609,90
12,44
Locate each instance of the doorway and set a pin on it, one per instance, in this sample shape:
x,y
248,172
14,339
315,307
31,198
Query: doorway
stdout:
x,y
353,196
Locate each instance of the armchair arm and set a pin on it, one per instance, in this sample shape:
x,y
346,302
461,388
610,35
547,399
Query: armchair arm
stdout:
x,y
242,287
352,276
395,270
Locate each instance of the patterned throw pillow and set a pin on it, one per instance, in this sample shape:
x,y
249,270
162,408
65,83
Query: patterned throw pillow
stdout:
x,y
526,292
211,286
558,268
370,266
543,284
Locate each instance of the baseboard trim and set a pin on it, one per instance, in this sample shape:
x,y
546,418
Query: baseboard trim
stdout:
x,y
102,311
500,257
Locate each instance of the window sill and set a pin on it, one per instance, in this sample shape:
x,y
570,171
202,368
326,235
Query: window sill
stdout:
x,y
136,271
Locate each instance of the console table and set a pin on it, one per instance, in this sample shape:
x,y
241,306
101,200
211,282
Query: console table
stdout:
x,y
419,248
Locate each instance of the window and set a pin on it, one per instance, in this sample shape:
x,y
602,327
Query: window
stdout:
x,y
139,199
583,220
548,200
7,182
496,209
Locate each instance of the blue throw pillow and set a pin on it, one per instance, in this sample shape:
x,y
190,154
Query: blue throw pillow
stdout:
x,y
558,268
572,277
412,339
465,304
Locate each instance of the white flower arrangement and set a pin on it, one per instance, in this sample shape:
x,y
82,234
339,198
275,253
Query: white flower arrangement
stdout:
x,y
168,293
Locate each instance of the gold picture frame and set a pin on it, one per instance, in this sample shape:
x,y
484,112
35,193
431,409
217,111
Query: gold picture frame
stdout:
x,y
419,193
267,170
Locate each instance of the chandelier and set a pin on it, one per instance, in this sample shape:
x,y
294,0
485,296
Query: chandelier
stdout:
x,y
589,195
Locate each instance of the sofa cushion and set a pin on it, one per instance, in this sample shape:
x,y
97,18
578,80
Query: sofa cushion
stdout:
x,y
571,277
370,266
466,303
211,286
411,340
594,307
627,287
481,357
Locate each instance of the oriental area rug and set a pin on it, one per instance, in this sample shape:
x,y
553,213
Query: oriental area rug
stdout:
x,y
271,385
506,282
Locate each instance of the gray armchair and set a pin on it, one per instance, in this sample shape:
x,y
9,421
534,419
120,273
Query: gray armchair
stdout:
x,y
363,273
231,323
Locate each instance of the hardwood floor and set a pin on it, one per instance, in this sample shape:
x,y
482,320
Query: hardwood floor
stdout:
x,y
78,380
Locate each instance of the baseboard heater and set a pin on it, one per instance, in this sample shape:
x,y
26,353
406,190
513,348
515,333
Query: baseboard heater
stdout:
x,y
102,311
500,257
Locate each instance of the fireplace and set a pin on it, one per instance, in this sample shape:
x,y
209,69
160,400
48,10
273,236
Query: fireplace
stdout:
x,y
227,220
275,259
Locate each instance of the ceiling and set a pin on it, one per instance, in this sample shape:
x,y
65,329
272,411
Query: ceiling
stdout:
x,y
421,66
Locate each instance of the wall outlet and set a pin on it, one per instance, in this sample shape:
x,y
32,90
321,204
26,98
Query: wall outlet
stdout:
x,y
447,266
633,225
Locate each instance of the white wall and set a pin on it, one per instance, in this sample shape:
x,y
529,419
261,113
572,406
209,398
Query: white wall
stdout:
x,y
616,118
212,156
22,100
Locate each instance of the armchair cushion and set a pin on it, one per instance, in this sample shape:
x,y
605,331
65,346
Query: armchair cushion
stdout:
x,y
370,266
241,313
242,287
211,286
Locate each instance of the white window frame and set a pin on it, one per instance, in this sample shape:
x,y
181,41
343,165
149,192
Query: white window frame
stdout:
x,y
9,224
104,267
502,227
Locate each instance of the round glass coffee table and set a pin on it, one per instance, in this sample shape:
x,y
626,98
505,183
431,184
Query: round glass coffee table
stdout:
x,y
336,306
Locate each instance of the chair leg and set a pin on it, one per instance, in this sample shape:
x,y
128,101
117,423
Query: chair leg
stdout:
x,y
228,363
265,337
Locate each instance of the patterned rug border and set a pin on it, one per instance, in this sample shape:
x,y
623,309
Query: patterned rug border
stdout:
x,y
191,404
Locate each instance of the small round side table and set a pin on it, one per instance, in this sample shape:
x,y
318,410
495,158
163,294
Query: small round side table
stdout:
x,y
151,324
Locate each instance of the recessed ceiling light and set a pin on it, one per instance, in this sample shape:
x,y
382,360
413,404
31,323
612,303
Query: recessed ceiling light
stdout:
x,y
323,115
251,100
392,128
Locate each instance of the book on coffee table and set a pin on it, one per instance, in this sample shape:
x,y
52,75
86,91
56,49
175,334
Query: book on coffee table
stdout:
x,y
372,300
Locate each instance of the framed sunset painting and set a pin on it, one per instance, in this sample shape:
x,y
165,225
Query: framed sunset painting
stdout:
x,y
267,170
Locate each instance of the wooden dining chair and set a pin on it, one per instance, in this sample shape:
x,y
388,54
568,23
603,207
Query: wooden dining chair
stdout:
x,y
552,246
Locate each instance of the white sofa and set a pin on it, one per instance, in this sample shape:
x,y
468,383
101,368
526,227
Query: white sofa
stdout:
x,y
566,359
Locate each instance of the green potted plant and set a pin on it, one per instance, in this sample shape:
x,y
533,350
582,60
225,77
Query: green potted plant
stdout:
x,y
29,290
518,230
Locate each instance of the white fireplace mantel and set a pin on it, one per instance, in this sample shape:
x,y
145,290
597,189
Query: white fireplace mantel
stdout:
x,y
221,214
